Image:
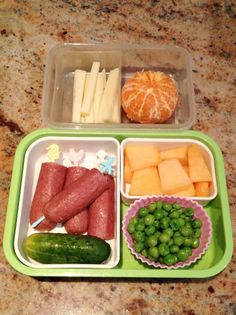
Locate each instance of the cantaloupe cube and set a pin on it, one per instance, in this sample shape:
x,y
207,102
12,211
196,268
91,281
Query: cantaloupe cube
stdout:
x,y
198,171
127,172
185,167
173,176
180,154
145,182
202,189
189,192
142,156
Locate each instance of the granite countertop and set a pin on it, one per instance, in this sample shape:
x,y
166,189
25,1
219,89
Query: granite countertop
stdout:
x,y
28,29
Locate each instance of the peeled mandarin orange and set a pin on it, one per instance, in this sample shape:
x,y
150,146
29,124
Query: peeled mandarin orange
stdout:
x,y
149,97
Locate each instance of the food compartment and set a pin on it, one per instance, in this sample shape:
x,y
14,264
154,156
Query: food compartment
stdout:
x,y
63,102
165,149
157,239
86,152
58,92
173,61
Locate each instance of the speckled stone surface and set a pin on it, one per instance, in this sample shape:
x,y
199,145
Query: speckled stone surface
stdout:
x,y
28,29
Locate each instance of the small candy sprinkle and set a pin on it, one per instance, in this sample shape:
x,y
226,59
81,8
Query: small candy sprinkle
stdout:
x,y
101,155
53,152
76,157
66,161
38,221
106,167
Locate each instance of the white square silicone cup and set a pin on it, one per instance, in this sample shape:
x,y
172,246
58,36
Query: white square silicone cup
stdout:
x,y
35,155
165,144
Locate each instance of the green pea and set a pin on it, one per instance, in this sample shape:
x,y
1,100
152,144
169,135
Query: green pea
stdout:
x,y
158,214
179,240
152,241
176,259
197,233
182,255
156,224
131,228
189,212
157,234
167,207
133,220
164,238
177,233
188,219
158,204
188,241
188,250
168,231
169,259
144,252
142,212
139,226
139,246
164,223
165,213
163,249
176,206
175,214
181,222
153,251
195,243
186,231
150,230
174,248
151,258
171,242
149,219
188,225
161,259
197,223
151,207
174,224
139,236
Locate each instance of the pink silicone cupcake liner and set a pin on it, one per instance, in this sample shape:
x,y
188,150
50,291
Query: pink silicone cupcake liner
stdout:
x,y
199,213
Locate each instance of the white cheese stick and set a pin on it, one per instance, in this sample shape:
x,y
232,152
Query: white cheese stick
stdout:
x,y
90,117
78,93
103,75
89,94
101,82
116,118
109,96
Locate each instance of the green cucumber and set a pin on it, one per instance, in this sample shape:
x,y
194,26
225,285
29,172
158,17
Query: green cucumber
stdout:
x,y
58,248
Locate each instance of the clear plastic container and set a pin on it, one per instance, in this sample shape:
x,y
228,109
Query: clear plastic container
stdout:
x,y
64,59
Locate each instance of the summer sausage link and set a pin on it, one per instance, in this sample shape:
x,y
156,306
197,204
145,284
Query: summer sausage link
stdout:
x,y
73,173
102,213
79,223
76,196
50,182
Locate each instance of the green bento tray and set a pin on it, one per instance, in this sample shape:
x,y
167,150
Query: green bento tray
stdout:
x,y
216,258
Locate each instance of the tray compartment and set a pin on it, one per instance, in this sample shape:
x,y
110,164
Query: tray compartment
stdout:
x,y
35,155
166,144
